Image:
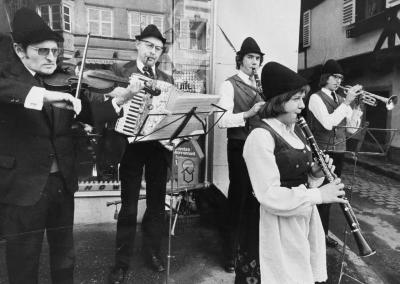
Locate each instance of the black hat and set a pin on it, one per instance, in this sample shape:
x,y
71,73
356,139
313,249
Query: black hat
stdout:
x,y
332,67
249,45
277,79
151,31
28,27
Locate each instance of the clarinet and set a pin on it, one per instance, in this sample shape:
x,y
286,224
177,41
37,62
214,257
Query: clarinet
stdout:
x,y
363,247
258,81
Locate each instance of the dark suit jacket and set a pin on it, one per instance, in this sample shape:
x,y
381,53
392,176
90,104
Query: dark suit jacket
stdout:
x,y
126,69
31,139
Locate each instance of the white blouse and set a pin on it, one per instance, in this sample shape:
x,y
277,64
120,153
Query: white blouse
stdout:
x,y
292,240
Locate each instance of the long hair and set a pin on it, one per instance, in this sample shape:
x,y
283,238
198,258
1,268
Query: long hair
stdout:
x,y
275,106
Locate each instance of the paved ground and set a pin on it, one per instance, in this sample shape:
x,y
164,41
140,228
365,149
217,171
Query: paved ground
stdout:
x,y
376,202
196,248
196,258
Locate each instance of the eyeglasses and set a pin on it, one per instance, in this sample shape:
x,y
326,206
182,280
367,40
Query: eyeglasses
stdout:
x,y
151,45
43,51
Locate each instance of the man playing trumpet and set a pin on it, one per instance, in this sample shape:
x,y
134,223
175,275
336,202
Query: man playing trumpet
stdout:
x,y
328,116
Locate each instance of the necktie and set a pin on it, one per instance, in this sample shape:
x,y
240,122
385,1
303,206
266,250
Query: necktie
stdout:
x,y
334,97
38,79
148,72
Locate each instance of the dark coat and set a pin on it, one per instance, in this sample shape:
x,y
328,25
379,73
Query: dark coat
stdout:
x,y
31,139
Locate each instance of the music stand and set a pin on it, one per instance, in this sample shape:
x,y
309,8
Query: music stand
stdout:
x,y
188,116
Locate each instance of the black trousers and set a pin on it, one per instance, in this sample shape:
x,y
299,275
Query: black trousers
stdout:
x,y
239,188
324,209
24,228
154,158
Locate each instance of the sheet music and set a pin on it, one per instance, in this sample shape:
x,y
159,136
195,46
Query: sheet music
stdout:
x,y
178,107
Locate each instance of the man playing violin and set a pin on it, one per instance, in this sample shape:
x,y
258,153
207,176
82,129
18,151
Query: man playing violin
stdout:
x,y
328,115
37,156
151,156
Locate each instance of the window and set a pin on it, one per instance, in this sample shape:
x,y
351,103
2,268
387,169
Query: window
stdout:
x,y
67,18
51,14
193,33
368,8
138,21
100,21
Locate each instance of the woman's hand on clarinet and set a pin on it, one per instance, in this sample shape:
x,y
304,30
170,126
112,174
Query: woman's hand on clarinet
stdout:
x,y
316,169
333,192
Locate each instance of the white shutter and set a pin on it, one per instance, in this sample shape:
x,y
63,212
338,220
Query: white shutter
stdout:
x,y
391,3
349,12
307,28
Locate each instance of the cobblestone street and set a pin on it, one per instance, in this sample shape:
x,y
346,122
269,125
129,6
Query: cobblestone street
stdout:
x,y
376,202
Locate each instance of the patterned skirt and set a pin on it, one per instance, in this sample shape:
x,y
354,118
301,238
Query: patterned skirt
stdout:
x,y
247,266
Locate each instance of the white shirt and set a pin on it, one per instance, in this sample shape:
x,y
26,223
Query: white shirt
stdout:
x,y
292,240
226,91
35,98
328,121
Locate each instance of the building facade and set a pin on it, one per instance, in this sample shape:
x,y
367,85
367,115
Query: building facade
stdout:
x,y
198,56
363,36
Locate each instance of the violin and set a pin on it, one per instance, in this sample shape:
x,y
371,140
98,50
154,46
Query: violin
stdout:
x,y
98,81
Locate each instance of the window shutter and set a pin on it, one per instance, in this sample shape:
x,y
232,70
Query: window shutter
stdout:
x,y
391,3
349,12
307,28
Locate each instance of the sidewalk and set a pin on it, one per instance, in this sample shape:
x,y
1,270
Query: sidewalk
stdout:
x,y
377,164
196,258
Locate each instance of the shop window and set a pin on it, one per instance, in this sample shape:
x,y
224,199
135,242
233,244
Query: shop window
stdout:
x,y
137,21
100,21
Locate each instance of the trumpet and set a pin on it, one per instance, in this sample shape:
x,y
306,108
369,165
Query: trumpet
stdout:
x,y
371,99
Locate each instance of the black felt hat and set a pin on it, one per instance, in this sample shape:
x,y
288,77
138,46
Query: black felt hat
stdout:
x,y
277,79
249,45
151,31
331,67
28,27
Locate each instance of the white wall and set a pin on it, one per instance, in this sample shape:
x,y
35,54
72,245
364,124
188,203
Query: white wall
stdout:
x,y
275,27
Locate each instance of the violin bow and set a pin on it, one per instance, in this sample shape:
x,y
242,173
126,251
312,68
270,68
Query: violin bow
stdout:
x,y
78,88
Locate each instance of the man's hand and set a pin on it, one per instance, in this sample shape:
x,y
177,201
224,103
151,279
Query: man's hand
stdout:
x,y
62,100
123,95
254,110
353,93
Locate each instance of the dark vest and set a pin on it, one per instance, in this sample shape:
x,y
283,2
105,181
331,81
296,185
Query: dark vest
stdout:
x,y
244,99
328,139
293,164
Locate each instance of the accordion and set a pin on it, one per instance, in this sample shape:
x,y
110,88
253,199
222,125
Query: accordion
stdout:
x,y
136,119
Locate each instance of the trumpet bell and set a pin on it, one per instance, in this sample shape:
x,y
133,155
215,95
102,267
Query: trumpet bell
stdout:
x,y
392,101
